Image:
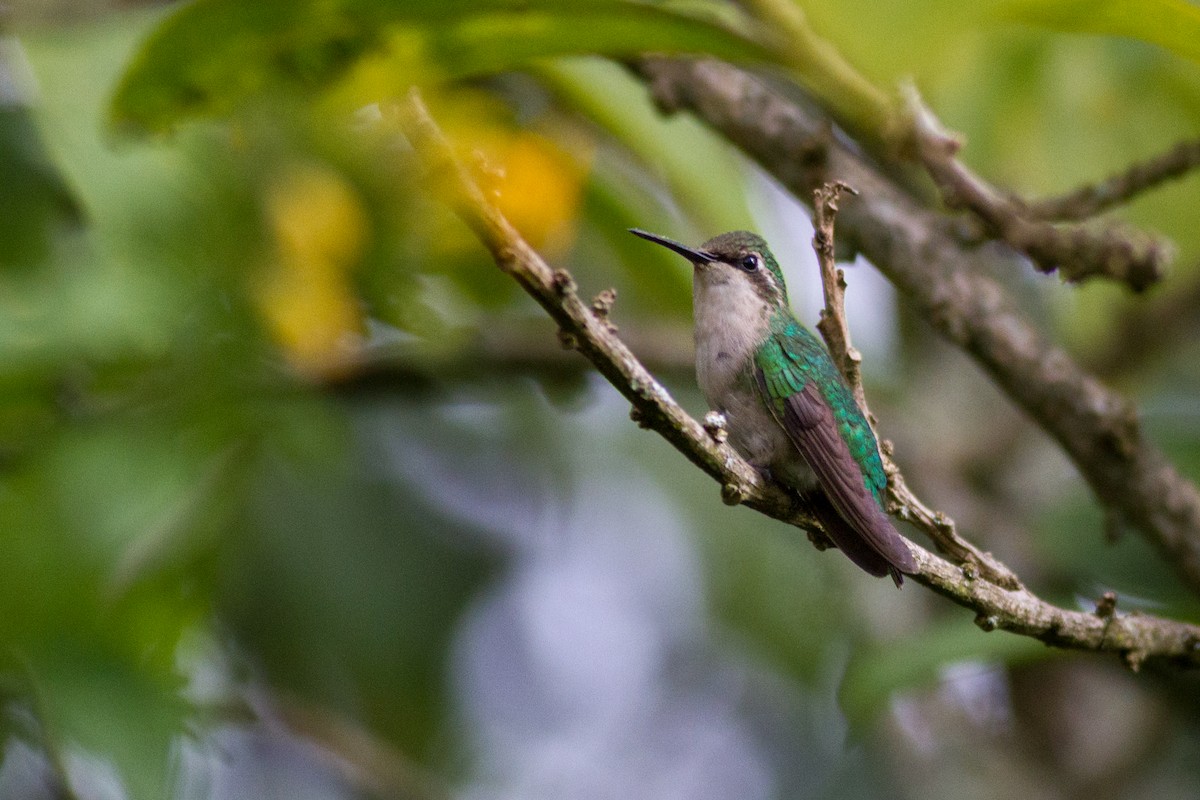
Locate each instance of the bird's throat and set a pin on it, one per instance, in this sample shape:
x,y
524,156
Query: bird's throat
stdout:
x,y
732,321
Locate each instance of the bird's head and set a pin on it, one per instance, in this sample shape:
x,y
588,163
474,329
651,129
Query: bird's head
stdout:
x,y
734,261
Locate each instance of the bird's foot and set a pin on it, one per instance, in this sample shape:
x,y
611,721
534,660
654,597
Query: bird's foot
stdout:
x,y
714,425
820,540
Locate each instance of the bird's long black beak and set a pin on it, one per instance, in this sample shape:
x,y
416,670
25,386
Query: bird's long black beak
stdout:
x,y
694,256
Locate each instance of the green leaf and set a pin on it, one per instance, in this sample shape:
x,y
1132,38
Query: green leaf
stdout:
x,y
209,55
213,55
36,202
486,43
1170,24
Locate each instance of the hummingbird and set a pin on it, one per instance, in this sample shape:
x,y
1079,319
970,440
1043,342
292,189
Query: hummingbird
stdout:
x,y
787,409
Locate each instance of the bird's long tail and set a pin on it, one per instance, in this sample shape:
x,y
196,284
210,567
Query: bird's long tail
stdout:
x,y
852,543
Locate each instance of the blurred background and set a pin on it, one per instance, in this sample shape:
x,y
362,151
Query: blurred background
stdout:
x,y
301,498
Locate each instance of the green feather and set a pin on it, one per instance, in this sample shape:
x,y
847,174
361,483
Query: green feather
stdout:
x,y
791,358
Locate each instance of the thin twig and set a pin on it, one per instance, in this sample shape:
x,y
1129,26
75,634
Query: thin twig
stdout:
x,y
832,325
368,762
503,350
1076,252
835,330
1135,637
941,529
1088,201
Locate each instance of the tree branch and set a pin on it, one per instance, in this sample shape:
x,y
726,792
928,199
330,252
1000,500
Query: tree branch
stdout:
x,y
1134,636
502,350
875,117
948,284
1075,251
832,325
1088,201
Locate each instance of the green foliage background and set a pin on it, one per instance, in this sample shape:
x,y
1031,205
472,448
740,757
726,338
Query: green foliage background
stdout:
x,y
197,502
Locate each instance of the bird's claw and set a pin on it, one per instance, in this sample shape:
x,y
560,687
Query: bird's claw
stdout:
x,y
714,425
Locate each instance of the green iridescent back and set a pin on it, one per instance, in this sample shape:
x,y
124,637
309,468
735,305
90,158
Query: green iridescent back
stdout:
x,y
790,359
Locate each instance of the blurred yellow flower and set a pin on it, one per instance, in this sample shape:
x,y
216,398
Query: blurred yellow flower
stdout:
x,y
307,296
534,181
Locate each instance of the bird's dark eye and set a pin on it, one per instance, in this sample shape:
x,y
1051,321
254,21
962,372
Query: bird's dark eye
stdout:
x,y
750,262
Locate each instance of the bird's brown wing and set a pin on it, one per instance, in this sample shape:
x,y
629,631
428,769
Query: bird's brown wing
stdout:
x,y
866,536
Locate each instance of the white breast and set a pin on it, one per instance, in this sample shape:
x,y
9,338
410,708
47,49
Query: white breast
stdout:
x,y
731,320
